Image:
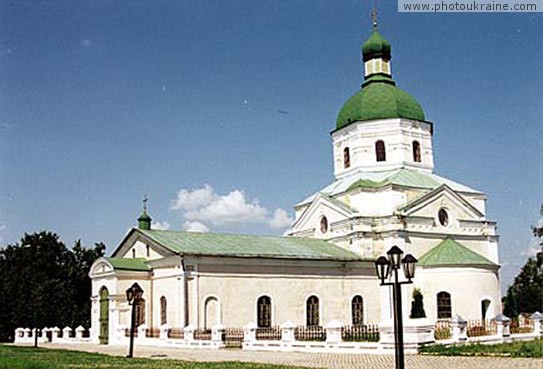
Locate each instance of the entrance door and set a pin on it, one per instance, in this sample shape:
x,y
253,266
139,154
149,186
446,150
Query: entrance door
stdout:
x,y
104,316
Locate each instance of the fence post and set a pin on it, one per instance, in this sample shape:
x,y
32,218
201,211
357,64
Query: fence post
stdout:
x,y
188,332
56,334
19,335
333,331
249,332
164,330
66,333
458,325
79,333
287,331
503,325
27,333
142,332
537,321
216,333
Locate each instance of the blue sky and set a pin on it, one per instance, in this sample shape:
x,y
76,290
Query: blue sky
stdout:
x,y
102,102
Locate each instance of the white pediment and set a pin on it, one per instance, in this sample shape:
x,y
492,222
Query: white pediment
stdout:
x,y
442,197
322,205
136,245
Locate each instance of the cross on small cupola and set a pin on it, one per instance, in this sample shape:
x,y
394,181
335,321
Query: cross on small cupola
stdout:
x,y
376,52
144,221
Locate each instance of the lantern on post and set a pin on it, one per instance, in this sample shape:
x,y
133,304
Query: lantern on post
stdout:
x,y
133,296
385,269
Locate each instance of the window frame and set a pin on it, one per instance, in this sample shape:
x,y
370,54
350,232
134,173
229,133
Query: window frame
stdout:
x,y
444,305
380,151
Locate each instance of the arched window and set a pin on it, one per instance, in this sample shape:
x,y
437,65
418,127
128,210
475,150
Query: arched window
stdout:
x,y
212,312
140,313
346,158
380,152
357,310
163,311
133,253
443,305
312,311
147,250
484,308
263,312
416,152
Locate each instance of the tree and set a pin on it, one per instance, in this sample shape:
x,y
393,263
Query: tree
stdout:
x,y
44,284
417,305
525,295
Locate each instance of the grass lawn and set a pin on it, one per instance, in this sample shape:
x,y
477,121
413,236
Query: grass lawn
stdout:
x,y
16,357
515,349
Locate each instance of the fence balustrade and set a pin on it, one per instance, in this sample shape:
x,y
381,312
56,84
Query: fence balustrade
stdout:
x,y
478,328
269,334
442,330
310,333
360,333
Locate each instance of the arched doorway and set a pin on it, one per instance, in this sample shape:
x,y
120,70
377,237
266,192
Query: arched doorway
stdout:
x,y
212,312
104,316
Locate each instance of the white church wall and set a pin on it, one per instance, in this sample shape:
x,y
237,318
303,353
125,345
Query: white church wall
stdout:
x,y
166,282
467,287
239,287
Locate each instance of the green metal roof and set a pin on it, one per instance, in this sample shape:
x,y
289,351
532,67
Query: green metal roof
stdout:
x,y
377,179
376,47
402,177
137,264
450,252
379,100
214,244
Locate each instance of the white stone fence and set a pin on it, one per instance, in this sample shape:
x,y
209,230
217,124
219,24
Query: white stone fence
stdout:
x,y
333,337
497,330
54,335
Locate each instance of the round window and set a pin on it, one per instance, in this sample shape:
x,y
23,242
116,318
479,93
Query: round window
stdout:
x,y
324,224
443,217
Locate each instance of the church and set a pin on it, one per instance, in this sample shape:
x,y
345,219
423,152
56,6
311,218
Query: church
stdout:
x,y
385,193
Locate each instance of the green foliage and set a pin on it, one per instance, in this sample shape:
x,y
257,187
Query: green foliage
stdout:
x,y
525,295
13,357
417,305
44,284
515,349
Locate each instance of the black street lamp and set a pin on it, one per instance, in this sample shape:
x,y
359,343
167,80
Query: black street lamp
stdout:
x,y
133,295
384,268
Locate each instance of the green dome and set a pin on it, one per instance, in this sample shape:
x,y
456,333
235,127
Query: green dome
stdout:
x,y
379,98
376,47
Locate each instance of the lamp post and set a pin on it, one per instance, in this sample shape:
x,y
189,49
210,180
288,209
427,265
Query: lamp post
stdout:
x,y
385,268
133,295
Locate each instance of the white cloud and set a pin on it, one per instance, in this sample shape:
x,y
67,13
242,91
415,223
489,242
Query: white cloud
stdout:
x,y
195,227
208,208
161,226
190,200
280,219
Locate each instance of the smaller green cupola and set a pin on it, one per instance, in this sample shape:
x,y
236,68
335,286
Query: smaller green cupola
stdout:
x,y
379,98
376,47
144,221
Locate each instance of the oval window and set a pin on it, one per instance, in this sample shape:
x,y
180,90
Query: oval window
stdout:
x,y
443,217
324,224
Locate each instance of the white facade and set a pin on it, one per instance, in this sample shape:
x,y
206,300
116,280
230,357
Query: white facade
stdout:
x,y
384,194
